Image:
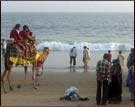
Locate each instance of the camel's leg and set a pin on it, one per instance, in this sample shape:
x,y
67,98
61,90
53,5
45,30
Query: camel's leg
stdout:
x,y
25,77
26,72
8,78
33,76
3,80
42,68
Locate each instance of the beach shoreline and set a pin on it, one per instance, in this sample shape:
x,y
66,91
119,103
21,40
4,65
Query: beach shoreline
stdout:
x,y
53,86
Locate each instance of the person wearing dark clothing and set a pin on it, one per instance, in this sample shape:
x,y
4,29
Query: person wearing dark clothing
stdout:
x,y
109,56
103,71
115,86
73,55
130,59
130,82
130,62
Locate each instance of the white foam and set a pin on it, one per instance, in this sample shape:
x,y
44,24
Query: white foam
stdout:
x,y
61,46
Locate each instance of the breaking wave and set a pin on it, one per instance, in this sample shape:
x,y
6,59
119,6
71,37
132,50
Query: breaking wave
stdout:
x,y
61,46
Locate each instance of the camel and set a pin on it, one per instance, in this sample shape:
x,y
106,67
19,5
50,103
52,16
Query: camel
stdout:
x,y
37,63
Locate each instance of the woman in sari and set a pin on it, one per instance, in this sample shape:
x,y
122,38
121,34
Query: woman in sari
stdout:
x,y
114,88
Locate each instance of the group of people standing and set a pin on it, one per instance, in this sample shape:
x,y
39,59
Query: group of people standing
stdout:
x,y
86,58
109,78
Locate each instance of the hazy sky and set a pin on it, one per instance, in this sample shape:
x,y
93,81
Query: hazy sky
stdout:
x,y
67,6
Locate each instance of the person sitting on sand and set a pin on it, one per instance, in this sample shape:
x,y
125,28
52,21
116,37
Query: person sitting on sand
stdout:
x,y
130,82
17,39
86,58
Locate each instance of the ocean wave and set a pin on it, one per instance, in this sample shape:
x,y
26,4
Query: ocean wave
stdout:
x,y
61,46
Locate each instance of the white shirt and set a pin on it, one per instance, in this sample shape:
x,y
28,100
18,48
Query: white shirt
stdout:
x,y
73,53
4,45
71,89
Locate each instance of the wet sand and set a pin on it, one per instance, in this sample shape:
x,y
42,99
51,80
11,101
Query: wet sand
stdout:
x,y
53,86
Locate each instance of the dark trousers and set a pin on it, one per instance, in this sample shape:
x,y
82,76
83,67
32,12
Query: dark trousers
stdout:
x,y
73,59
102,87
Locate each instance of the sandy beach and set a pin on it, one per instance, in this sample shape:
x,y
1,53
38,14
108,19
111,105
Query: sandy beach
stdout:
x,y
100,26
53,86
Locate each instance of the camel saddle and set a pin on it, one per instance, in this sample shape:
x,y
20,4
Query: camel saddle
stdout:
x,y
15,51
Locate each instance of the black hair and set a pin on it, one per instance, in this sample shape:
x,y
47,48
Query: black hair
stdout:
x,y
46,48
84,47
31,33
105,56
17,26
109,51
132,50
120,51
25,27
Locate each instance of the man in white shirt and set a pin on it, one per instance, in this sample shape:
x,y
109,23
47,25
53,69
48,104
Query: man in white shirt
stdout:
x,y
4,46
73,55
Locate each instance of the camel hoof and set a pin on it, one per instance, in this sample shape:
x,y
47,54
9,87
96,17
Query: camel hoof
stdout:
x,y
35,87
19,86
11,89
38,84
5,92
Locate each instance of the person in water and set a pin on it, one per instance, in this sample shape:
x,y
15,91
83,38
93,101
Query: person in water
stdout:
x,y
73,55
86,58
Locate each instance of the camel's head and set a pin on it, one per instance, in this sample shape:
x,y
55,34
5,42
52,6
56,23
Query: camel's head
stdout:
x,y
46,49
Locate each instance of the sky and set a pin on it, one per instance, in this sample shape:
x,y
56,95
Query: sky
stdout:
x,y
67,6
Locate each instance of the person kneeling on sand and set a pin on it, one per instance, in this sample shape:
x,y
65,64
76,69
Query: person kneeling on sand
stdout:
x,y
72,94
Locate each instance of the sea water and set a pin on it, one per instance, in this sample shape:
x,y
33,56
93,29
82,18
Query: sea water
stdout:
x,y
61,31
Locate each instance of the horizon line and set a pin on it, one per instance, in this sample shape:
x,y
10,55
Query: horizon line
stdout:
x,y
64,12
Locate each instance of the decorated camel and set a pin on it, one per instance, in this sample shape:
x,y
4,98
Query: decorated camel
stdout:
x,y
36,60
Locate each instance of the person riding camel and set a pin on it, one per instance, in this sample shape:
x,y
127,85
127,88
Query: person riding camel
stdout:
x,y
33,43
26,37
17,39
